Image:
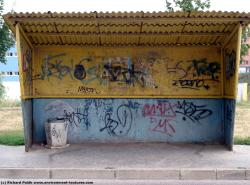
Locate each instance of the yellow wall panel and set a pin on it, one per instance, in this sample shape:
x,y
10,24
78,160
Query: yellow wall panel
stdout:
x,y
25,64
132,72
231,64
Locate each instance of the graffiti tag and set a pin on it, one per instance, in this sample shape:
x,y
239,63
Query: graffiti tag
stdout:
x,y
120,126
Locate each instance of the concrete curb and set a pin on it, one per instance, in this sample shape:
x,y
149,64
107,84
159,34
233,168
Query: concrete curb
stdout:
x,y
128,174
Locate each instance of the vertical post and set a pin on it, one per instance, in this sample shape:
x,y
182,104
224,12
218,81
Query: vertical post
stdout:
x,y
19,53
238,48
230,102
222,73
26,103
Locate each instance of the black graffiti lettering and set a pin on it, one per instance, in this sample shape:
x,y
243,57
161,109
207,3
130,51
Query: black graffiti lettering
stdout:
x,y
192,111
198,68
178,69
191,84
76,118
122,74
110,125
230,62
52,67
87,90
56,133
122,125
202,67
79,72
195,74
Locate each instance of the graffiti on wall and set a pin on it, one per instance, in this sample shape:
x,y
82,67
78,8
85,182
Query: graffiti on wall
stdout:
x,y
120,126
230,111
88,90
102,75
26,58
113,69
195,74
163,113
118,119
26,68
53,66
230,63
229,120
79,116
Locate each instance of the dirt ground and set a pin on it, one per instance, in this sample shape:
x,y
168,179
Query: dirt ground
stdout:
x,y
11,120
242,122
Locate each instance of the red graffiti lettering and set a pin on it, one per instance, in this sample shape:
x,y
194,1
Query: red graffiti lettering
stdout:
x,y
164,109
163,126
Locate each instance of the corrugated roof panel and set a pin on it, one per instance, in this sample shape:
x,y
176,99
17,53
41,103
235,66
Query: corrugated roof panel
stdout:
x,y
213,14
93,39
119,14
49,40
221,39
161,40
146,40
66,40
207,40
229,27
123,40
33,40
185,39
165,15
127,28
74,14
42,40
27,28
204,28
199,14
76,28
39,28
119,28
162,28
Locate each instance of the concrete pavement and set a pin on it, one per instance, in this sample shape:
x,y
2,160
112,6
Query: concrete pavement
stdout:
x,y
123,182
159,161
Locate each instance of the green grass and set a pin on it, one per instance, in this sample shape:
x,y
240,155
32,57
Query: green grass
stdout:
x,y
10,103
242,140
12,138
243,104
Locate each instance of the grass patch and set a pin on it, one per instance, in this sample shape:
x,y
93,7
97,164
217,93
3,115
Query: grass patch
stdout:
x,y
242,140
12,138
4,103
243,104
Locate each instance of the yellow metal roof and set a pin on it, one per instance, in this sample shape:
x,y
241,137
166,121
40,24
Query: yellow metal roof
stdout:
x,y
127,28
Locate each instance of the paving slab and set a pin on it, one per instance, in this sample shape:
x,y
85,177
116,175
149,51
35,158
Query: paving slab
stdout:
x,y
128,161
169,174
198,174
233,174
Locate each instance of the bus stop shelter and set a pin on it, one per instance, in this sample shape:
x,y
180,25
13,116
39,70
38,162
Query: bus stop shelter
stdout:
x,y
130,76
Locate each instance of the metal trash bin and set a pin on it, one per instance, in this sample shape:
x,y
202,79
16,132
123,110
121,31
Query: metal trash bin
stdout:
x,y
56,133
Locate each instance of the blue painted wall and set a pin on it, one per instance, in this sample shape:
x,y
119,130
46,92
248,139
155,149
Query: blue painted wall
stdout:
x,y
27,122
229,121
11,65
135,120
